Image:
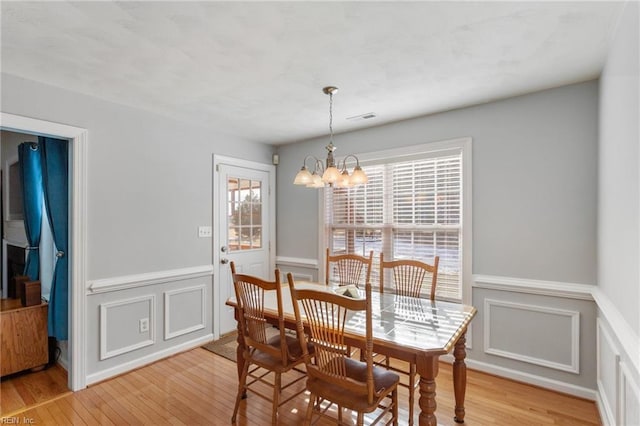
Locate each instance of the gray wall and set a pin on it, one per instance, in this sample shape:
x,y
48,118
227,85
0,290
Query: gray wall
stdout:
x,y
534,227
619,179
534,179
149,178
149,187
618,294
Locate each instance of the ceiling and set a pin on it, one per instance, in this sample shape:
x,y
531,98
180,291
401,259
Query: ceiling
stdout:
x,y
256,69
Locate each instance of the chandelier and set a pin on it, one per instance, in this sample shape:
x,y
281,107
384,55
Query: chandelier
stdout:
x,y
331,173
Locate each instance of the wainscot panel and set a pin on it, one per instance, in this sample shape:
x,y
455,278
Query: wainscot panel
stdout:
x,y
184,311
116,334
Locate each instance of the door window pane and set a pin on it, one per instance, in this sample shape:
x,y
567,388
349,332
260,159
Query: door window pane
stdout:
x,y
244,214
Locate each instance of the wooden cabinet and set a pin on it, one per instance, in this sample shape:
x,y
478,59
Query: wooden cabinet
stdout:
x,y
24,341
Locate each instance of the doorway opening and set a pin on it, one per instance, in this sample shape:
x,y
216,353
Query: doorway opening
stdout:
x,y
77,144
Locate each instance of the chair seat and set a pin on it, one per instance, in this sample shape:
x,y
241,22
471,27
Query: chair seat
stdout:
x,y
384,382
268,361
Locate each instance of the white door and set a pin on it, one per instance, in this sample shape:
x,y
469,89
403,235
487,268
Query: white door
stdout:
x,y
243,230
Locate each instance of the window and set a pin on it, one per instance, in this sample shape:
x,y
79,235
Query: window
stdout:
x,y
413,207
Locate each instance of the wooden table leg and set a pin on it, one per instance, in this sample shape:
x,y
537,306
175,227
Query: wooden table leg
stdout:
x,y
240,348
427,368
460,377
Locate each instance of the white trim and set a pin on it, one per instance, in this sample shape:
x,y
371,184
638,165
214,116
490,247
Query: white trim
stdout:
x,y
629,340
424,149
270,169
150,278
167,312
545,288
604,411
607,410
626,378
574,367
532,379
104,308
298,262
145,360
78,138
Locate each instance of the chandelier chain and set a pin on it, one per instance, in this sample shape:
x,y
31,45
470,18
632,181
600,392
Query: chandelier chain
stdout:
x,y
331,117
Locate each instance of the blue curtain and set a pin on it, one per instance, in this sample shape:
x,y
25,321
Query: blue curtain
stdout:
x,y
55,166
31,178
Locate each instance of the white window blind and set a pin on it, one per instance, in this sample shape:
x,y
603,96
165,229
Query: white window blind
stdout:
x,y
408,210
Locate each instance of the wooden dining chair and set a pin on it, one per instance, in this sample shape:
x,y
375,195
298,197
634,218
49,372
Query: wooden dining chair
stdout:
x,y
350,269
262,354
332,375
409,277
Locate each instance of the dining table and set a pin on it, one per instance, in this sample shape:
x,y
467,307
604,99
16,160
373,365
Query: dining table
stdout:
x,y
410,329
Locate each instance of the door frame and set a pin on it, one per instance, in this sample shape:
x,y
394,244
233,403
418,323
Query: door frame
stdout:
x,y
216,243
78,139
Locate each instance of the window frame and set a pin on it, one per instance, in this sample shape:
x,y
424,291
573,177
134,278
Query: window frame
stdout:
x,y
425,150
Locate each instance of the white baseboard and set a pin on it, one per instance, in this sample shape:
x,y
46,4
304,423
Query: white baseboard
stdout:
x,y
140,362
532,379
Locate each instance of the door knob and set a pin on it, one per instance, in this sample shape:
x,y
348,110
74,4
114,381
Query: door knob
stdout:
x,y
224,261
223,249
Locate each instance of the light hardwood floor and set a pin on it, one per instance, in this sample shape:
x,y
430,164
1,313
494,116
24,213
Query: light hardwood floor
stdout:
x,y
198,388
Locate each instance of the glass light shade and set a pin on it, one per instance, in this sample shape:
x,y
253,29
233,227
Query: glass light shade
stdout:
x,y
316,181
359,177
331,175
303,177
344,181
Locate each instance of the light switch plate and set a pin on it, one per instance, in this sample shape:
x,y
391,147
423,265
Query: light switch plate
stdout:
x,y
204,231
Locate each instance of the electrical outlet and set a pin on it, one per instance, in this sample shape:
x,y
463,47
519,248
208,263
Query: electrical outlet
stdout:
x,y
204,231
144,325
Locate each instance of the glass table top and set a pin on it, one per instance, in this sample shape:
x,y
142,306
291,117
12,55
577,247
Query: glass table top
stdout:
x,y
401,321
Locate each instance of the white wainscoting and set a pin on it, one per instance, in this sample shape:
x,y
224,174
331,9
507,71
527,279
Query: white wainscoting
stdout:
x,y
618,366
294,264
177,304
178,320
297,276
141,307
629,407
607,375
572,338
617,350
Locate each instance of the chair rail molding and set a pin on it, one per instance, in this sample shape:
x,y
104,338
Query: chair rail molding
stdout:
x,y
150,278
545,288
297,261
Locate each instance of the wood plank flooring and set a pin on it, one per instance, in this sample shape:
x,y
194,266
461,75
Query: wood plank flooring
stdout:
x,y
22,390
198,387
